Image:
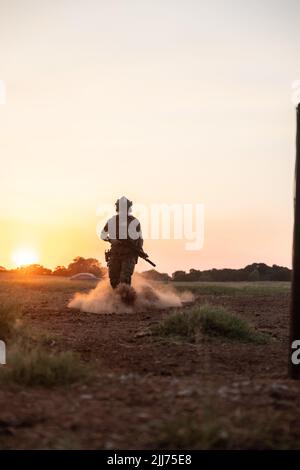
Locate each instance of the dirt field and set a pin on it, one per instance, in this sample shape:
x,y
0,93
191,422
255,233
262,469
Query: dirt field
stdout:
x,y
148,392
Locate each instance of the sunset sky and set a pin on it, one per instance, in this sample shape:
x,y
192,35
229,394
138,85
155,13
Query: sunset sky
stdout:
x,y
161,100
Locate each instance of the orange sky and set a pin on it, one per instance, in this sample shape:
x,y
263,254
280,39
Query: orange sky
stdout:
x,y
161,101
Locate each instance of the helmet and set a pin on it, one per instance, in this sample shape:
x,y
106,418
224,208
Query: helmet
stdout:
x,y
124,203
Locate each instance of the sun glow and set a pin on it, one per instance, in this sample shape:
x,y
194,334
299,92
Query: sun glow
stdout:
x,y
24,257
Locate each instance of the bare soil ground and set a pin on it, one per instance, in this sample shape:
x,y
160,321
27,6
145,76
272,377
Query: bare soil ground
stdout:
x,y
154,393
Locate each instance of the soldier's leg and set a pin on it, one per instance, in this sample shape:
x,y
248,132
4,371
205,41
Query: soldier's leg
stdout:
x,y
114,271
127,268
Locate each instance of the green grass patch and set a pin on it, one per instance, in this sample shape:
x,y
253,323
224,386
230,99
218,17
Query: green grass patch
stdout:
x,y
20,284
235,288
210,320
37,367
213,289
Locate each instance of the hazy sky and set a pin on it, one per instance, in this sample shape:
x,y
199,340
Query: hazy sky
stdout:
x,y
161,100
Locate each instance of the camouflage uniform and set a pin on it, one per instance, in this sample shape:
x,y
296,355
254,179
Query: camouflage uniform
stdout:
x,y
122,259
120,270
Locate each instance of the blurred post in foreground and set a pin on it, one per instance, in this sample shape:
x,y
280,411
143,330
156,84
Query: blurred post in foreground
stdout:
x,y
294,353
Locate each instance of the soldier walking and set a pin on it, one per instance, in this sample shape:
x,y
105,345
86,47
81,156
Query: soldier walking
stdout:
x,y
123,231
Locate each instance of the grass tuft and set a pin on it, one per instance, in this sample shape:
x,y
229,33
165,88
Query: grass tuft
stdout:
x,y
38,367
212,432
189,433
217,321
211,320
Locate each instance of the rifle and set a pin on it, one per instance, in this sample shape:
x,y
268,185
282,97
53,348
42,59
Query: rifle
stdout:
x,y
139,251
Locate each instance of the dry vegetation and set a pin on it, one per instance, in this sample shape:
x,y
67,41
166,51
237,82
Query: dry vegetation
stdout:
x,y
210,320
29,361
210,376
33,366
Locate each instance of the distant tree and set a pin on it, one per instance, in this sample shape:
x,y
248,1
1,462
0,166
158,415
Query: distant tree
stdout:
x,y
280,273
85,265
206,276
194,275
60,271
254,275
179,276
154,275
33,269
81,265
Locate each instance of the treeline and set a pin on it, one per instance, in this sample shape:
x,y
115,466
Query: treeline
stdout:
x,y
78,265
252,272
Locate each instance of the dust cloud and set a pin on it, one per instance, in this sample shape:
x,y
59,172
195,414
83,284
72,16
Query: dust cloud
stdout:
x,y
141,296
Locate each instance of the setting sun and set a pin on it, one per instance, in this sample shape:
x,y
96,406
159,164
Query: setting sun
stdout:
x,y
24,257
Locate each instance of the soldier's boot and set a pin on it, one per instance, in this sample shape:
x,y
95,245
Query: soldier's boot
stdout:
x,y
126,293
114,282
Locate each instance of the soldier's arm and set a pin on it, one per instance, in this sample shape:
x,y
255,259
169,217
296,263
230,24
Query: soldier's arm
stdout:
x,y
140,240
104,233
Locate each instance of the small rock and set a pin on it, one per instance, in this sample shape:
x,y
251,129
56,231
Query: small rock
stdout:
x,y
142,333
279,391
86,396
184,392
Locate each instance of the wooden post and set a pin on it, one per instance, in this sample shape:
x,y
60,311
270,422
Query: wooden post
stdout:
x,y
294,368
